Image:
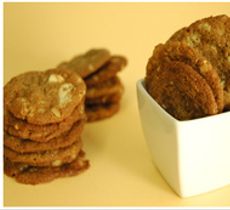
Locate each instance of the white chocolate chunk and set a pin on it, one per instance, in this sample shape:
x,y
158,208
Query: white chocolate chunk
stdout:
x,y
205,26
228,59
193,40
55,78
64,94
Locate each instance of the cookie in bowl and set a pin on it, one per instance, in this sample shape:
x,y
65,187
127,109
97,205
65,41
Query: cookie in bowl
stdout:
x,y
183,105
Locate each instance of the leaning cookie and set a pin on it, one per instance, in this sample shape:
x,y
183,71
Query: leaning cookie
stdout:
x,y
47,158
26,145
181,91
179,51
35,175
87,63
41,133
107,71
44,97
211,37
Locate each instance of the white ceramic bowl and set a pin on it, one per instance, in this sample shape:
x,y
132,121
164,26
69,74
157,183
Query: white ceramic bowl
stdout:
x,y
193,156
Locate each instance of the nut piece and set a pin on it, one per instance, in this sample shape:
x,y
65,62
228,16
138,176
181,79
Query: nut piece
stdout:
x,y
16,127
193,40
25,105
205,26
55,78
56,163
56,112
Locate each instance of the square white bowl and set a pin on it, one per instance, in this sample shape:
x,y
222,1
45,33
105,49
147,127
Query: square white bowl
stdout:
x,y
193,156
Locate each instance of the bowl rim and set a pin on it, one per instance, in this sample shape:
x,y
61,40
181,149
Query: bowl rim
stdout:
x,y
141,87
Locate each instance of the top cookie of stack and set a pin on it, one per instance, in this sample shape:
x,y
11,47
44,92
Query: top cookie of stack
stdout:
x,y
99,70
43,121
189,75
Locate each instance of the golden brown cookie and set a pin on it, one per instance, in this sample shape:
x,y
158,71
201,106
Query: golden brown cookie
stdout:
x,y
211,37
179,51
41,133
26,145
87,63
101,111
44,97
55,157
107,71
111,86
35,175
181,91
106,99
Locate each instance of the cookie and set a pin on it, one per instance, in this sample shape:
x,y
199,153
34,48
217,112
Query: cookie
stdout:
x,y
107,71
41,133
46,158
211,37
44,97
26,146
111,86
87,63
107,99
179,51
181,91
101,111
36,175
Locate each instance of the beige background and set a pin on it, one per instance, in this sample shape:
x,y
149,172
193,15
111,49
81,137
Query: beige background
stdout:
x,y
38,36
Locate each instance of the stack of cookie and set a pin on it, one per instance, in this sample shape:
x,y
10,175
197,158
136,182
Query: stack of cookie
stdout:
x,y
43,120
189,76
99,70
